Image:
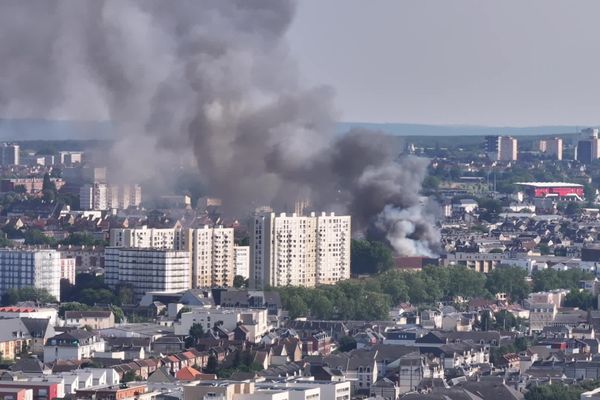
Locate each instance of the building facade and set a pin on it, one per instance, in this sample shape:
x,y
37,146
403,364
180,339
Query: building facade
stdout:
x,y
10,154
508,148
93,197
241,255
210,249
30,268
147,270
299,250
212,253
552,148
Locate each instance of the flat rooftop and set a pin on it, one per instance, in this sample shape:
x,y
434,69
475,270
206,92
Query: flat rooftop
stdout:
x,y
549,184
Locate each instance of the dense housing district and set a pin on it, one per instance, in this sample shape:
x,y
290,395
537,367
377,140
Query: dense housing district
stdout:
x,y
113,291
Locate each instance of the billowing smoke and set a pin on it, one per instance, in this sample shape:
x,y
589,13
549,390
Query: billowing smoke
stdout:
x,y
214,80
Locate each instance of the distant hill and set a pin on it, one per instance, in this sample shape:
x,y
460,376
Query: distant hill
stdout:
x,y
400,129
42,129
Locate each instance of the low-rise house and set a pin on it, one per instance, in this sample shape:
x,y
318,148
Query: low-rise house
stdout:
x,y
510,361
73,345
137,391
93,319
40,330
168,345
14,338
385,388
254,320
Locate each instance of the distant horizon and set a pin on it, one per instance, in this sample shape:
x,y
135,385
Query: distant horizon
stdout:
x,y
23,129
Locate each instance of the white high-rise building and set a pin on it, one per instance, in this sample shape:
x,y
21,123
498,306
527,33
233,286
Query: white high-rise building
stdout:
x,y
299,251
30,268
212,254
124,196
241,255
10,154
70,157
146,238
147,270
211,250
552,147
508,148
93,197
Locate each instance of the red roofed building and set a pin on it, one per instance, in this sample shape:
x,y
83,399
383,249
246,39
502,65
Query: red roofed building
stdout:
x,y
559,190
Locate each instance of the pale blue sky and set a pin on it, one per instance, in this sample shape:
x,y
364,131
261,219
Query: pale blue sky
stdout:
x,y
503,62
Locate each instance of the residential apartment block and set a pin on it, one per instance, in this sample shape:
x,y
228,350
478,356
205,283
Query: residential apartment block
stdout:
x,y
299,250
552,147
100,196
210,249
10,154
147,270
212,255
30,268
241,255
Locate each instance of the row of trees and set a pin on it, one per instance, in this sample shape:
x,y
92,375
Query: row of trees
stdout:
x,y
90,289
371,298
559,391
37,237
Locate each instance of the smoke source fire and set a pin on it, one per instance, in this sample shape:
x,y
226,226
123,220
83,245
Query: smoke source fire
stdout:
x,y
215,79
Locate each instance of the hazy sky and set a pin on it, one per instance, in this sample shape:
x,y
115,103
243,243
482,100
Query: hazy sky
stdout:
x,y
501,62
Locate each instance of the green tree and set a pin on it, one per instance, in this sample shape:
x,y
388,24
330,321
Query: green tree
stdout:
x,y
297,307
71,306
465,282
37,237
320,306
347,343
196,332
550,279
96,296
13,296
239,281
125,294
118,313
370,257
82,239
509,280
129,376
48,189
573,209
212,365
394,285
580,299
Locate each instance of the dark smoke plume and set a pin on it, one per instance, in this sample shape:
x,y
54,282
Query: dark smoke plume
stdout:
x,y
212,79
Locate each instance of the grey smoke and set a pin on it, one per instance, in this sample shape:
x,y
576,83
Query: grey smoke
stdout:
x,y
210,79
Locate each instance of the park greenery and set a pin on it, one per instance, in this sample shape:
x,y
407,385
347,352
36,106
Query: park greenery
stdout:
x,y
37,295
560,391
371,298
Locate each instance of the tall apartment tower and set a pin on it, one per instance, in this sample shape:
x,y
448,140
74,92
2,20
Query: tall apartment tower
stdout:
x,y
146,238
10,154
292,250
508,150
552,147
241,255
212,253
492,146
211,250
30,268
147,270
93,197
503,148
124,196
588,149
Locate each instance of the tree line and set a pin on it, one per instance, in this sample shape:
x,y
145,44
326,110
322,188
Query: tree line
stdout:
x,y
371,298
